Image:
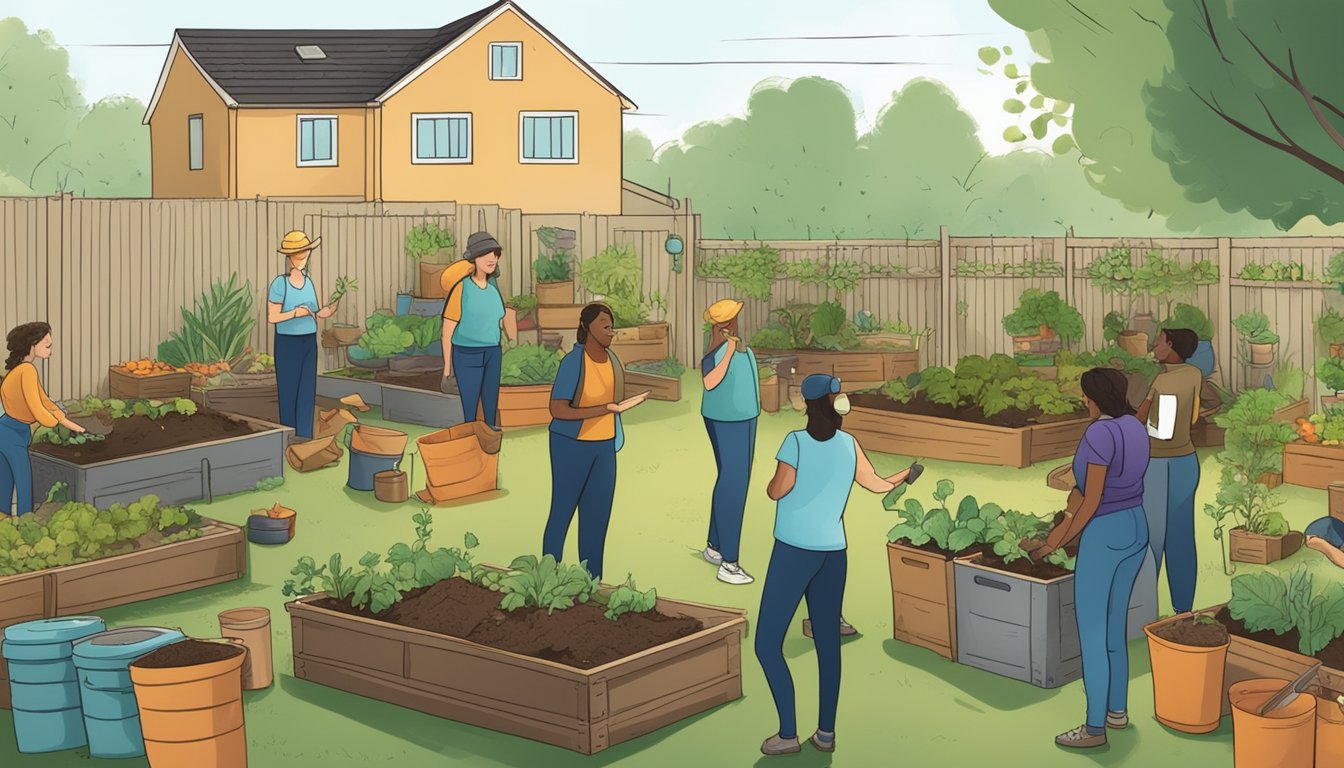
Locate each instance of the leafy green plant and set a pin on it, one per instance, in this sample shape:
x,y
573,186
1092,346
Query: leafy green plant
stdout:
x,y
627,598
1112,325
919,526
1330,370
616,276
523,303
60,435
1276,271
1007,531
385,340
343,286
78,532
216,328
994,384
424,330
1334,271
898,390
59,491
1037,309
772,337
1330,326
840,277
529,364
751,272
671,367
1190,317
554,267
1270,601
427,239
544,583
1255,329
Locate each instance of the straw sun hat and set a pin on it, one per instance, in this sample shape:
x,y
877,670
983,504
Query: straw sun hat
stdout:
x,y
297,241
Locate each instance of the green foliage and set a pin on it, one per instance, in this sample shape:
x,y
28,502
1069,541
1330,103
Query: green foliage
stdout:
x,y
344,285
1192,318
920,526
898,390
1276,271
839,276
268,484
386,339
59,491
828,319
802,326
1028,268
427,239
671,367
1255,329
1289,380
772,337
1334,270
523,302
554,267
1329,425
78,532
628,599
1112,326
1269,601
751,273
59,435
616,276
1114,356
1037,308
544,583
114,409
765,372
1330,326
216,328
1330,370
424,330
529,364
995,384
1006,532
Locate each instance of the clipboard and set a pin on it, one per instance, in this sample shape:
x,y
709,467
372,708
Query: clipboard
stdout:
x,y
1166,418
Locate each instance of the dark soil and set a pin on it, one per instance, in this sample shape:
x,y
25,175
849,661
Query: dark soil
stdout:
x,y
921,407
188,653
579,637
428,381
1196,634
1024,567
140,434
1332,655
934,549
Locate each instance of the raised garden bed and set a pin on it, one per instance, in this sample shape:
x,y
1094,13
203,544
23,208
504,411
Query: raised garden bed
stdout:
x,y
1312,466
409,658
664,388
218,555
350,381
1265,654
643,343
859,368
923,597
247,394
879,426
416,399
163,385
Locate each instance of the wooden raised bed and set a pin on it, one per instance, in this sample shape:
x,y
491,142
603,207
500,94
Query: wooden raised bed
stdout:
x,y
858,369
664,388
923,599
583,710
952,440
165,386
218,555
1207,434
335,387
1312,466
1248,659
562,317
254,396
1336,500
176,475
644,343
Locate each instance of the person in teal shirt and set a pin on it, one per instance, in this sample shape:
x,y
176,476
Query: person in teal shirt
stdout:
x,y
293,307
730,407
473,317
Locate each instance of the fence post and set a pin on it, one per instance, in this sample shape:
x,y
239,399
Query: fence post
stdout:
x,y
1224,321
946,355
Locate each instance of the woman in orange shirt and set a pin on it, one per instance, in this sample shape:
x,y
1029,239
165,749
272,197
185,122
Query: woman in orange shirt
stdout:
x,y
24,403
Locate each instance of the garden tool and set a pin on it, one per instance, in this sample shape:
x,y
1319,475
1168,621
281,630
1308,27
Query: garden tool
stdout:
x,y
1284,697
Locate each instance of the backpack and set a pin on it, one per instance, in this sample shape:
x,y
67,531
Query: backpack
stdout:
x,y
450,280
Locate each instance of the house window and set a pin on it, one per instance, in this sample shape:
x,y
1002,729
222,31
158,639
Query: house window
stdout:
x,y
317,140
549,137
506,61
441,138
195,142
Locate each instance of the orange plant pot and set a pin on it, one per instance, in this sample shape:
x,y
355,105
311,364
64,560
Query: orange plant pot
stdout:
x,y
1284,739
1329,729
1187,682
192,717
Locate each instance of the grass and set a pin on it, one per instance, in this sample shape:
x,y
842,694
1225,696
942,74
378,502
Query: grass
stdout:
x,y
899,704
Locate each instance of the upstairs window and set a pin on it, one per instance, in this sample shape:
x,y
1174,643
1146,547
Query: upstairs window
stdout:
x,y
441,138
196,142
549,137
506,61
317,140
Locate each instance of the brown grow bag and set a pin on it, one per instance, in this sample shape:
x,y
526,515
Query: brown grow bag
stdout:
x,y
460,461
378,441
313,454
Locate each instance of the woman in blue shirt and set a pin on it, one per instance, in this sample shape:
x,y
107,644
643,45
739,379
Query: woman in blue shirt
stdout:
x,y
817,467
473,317
292,307
730,407
1106,510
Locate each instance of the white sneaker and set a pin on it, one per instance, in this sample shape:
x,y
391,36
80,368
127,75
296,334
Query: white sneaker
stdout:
x,y
712,556
732,573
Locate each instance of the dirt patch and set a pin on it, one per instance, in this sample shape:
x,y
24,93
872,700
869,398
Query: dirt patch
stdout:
x,y
1331,655
188,653
934,549
1024,567
579,637
1195,634
428,381
919,406
141,434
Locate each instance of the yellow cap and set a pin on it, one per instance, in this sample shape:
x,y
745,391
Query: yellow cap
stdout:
x,y
723,311
297,241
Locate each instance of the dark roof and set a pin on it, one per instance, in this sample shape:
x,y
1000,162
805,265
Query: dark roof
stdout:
x,y
260,66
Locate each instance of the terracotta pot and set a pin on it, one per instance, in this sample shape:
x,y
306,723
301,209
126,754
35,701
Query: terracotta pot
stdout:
x,y
1329,729
192,715
1133,342
1187,682
346,335
555,294
1285,738
252,626
1144,324
1261,354
1047,332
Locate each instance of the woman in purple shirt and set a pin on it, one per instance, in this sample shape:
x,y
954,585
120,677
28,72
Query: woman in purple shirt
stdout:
x,y
1106,510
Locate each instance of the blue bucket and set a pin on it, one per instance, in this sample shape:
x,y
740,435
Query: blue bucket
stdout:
x,y
404,303
43,682
363,466
111,717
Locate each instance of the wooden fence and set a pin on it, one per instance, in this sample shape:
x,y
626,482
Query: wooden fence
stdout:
x,y
111,275
939,288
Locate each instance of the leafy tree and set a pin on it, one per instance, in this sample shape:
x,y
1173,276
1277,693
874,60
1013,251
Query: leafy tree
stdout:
x,y
109,151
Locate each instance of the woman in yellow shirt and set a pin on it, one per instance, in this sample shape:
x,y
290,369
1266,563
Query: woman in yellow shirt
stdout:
x,y
24,403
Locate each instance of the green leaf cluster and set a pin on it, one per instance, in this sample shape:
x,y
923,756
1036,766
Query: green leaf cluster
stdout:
x,y
1330,370
427,239
60,435
807,326
115,409
919,526
1330,326
216,328
1329,425
344,285
1038,308
1007,531
1254,328
544,583
1192,318
78,532
751,273
994,384
671,367
627,598
529,364
523,302
554,267
1269,601
383,336
1115,356
1028,268
616,276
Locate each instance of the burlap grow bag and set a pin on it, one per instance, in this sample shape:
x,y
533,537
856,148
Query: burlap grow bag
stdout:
x,y
313,454
378,441
459,461
331,423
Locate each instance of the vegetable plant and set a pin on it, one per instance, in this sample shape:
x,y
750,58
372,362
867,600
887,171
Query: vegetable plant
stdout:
x,y
343,285
1037,309
216,328
1255,329
529,364
995,384
671,367
1282,602
1324,428
1330,370
919,526
751,273
522,303
627,598
384,337
427,239
765,372
1330,326
552,267
424,330
1115,356
78,532
544,583
115,409
1334,271
1112,325
616,276
1190,317
1007,531
1276,271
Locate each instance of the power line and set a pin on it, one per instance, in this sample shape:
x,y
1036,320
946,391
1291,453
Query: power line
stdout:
x,y
853,37
767,61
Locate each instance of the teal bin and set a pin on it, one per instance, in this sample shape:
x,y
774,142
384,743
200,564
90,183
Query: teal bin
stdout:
x,y
43,685
111,718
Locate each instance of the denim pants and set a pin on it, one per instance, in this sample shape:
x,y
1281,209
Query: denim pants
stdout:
x,y
1169,502
16,469
1110,553
795,574
477,372
296,381
583,475
734,444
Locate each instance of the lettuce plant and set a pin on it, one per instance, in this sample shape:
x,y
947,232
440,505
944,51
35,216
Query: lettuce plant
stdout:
x,y
544,583
1007,531
919,526
529,364
628,599
78,532
1281,602
386,340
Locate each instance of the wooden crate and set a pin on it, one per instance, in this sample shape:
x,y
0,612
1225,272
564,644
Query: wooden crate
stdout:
x,y
856,370
585,710
555,294
258,399
562,317
1246,547
165,386
643,343
951,440
664,388
218,555
1336,500
923,599
1312,466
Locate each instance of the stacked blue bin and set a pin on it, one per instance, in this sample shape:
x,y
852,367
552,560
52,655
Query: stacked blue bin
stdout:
x,y
43,684
111,718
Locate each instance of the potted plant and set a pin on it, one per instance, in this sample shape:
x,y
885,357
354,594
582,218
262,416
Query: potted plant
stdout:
x,y
1330,327
1041,324
616,278
552,271
526,372
1257,337
430,246
525,304
769,389
1193,318
1189,656
1330,370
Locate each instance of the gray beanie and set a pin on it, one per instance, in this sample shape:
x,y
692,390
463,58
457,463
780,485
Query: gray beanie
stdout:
x,y
480,243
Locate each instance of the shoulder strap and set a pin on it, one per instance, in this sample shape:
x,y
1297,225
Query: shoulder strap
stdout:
x,y
618,376
578,387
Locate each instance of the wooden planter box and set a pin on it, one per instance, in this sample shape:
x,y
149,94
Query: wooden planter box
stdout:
x,y
165,386
1336,501
336,387
583,710
555,294
1247,660
664,388
1247,547
951,440
1312,466
176,476
409,405
218,555
563,317
525,405
644,343
856,370
923,599
1206,434
258,400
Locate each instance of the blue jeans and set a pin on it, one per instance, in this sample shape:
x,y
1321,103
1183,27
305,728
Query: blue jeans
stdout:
x,y
16,469
1328,528
1110,553
477,372
583,475
734,444
795,574
1169,502
296,381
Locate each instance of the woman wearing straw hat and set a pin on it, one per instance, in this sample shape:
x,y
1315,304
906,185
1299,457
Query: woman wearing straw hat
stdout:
x,y
473,317
292,307
730,407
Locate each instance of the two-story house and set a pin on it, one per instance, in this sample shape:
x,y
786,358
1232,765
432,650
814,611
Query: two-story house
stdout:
x,y
490,108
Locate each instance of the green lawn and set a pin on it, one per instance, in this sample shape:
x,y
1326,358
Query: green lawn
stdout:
x,y
899,704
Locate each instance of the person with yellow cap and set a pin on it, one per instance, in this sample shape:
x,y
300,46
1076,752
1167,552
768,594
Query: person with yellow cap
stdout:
x,y
293,308
730,407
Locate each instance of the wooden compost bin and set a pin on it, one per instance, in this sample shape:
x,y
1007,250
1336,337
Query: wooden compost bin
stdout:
x,y
1312,466
409,405
164,386
254,396
336,387
218,555
923,599
176,475
1248,659
583,710
664,388
643,343
953,440
856,370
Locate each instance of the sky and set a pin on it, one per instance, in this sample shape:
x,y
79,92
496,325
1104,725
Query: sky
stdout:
x,y
670,98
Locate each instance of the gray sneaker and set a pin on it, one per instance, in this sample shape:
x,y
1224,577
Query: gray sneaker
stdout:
x,y
712,556
777,746
821,744
1079,738
846,629
1117,721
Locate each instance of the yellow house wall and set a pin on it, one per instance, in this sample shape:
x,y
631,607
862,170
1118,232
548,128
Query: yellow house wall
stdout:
x,y
461,82
267,147
187,93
